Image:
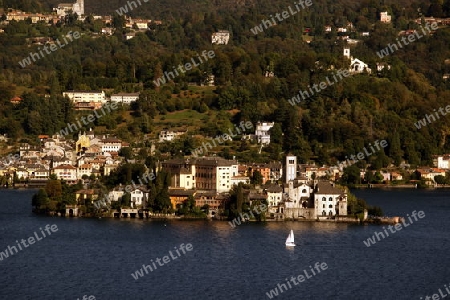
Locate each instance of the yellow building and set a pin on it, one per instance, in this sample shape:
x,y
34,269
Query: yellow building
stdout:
x,y
83,143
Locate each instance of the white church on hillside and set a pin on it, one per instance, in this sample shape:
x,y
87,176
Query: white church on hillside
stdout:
x,y
64,8
356,65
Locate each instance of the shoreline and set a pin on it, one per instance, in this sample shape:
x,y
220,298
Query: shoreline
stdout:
x,y
341,219
359,186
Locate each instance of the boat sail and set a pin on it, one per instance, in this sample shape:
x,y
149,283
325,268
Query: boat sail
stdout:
x,y
290,239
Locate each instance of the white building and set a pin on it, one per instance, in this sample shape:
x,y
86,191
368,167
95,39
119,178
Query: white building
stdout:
x,y
187,178
168,136
224,175
329,201
274,195
116,194
206,173
235,180
84,169
111,145
382,66
64,8
40,174
356,65
141,24
138,197
22,173
125,98
442,161
291,168
86,96
298,193
385,17
66,172
262,132
222,37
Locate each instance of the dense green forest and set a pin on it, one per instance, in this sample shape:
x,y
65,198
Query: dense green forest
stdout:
x,y
338,121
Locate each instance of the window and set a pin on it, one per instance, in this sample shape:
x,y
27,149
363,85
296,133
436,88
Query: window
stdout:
x,y
330,199
324,199
324,206
324,213
330,206
304,191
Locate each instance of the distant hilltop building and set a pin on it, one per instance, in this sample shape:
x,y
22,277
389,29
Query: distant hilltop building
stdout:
x,y
125,98
86,96
86,100
262,132
221,38
64,8
168,136
442,161
385,17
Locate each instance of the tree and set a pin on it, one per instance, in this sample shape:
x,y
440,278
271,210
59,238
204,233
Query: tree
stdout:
x,y
439,179
125,201
276,134
375,211
53,189
256,178
40,200
351,175
369,177
126,152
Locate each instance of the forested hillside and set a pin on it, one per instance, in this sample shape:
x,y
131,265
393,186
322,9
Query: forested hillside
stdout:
x,y
336,122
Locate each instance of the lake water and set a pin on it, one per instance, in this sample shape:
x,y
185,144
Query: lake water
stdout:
x,y
97,256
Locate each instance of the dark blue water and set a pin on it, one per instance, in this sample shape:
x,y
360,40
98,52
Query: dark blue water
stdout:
x,y
96,257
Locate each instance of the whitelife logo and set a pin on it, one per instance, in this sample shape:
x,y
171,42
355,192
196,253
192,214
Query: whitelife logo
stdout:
x,y
423,122
187,66
244,216
274,292
284,15
358,157
436,296
391,48
165,259
372,241
90,118
124,9
319,87
30,240
225,137
35,56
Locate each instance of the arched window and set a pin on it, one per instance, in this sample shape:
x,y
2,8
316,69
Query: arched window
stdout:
x,y
324,206
304,191
330,206
330,199
324,199
330,213
324,213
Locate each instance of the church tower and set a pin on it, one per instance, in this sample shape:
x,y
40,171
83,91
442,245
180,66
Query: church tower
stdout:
x,y
78,7
347,52
291,167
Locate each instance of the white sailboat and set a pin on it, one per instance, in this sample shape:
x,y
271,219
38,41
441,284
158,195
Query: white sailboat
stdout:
x,y
290,239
